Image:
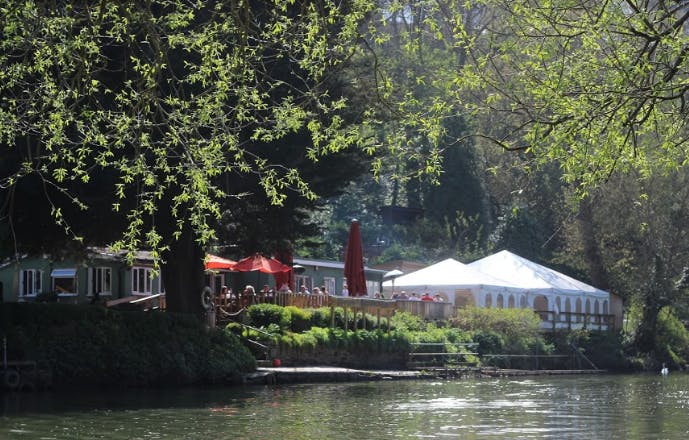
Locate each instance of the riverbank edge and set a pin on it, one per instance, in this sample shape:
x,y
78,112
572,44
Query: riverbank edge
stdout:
x,y
320,374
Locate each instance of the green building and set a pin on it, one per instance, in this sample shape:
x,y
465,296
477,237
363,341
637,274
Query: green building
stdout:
x,y
330,274
100,274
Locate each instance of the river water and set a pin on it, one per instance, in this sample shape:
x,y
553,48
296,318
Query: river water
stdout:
x,y
562,407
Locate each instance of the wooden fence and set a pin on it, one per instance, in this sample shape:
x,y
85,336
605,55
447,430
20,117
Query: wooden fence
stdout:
x,y
574,320
353,307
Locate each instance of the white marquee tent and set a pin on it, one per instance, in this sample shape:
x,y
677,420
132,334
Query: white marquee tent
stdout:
x,y
451,279
533,276
549,291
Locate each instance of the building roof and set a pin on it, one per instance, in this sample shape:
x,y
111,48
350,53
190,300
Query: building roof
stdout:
x,y
329,264
448,272
530,275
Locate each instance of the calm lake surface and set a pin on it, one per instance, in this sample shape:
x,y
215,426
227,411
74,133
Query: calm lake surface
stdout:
x,y
577,407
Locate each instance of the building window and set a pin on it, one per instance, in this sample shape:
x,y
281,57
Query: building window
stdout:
x,y
64,281
100,281
372,287
301,280
30,282
329,283
141,281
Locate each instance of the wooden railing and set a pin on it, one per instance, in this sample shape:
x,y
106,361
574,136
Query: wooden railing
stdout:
x,y
235,303
575,320
427,309
381,308
432,355
136,302
384,307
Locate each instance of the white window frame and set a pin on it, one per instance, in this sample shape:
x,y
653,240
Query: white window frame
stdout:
x,y
36,282
98,276
147,281
305,280
372,287
330,284
73,277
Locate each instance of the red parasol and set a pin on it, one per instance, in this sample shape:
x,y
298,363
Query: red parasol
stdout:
x,y
258,262
354,262
218,263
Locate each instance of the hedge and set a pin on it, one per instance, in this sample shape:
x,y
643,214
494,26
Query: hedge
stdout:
x,y
92,345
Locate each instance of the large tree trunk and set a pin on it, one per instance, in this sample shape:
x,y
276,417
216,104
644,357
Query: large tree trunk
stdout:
x,y
183,274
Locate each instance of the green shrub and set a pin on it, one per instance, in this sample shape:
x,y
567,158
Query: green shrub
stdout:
x,y
604,349
300,319
235,328
321,317
672,339
92,345
304,341
406,321
262,315
523,322
489,342
322,335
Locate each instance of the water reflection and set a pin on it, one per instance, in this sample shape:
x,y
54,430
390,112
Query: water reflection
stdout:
x,y
626,407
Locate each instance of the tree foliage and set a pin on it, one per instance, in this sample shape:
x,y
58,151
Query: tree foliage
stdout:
x,y
595,86
168,96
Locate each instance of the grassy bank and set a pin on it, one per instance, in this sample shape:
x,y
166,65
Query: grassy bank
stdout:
x,y
91,345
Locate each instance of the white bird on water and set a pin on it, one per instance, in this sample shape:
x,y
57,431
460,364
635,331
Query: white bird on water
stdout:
x,y
664,370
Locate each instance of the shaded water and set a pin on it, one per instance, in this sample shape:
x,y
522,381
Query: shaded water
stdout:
x,y
576,407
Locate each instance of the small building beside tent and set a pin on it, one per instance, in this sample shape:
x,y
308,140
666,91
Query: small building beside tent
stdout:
x,y
317,273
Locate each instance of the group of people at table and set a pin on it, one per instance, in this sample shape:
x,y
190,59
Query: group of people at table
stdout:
x,y
414,297
249,296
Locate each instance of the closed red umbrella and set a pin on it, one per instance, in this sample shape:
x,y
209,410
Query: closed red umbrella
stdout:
x,y
284,278
218,263
258,262
354,262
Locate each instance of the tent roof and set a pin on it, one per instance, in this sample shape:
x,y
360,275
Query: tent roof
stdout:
x,y
530,275
448,272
